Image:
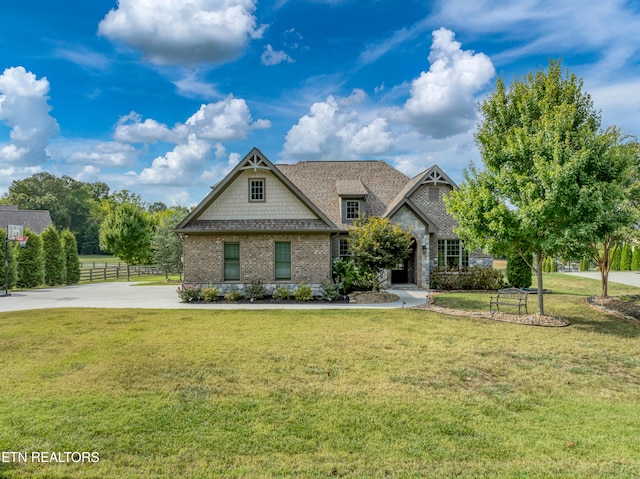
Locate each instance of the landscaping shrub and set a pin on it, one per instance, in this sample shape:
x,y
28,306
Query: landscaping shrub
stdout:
x,y
626,257
303,293
30,262
255,290
474,278
330,290
345,272
189,293
54,257
518,271
210,294
635,259
12,264
584,264
615,257
72,262
233,295
281,293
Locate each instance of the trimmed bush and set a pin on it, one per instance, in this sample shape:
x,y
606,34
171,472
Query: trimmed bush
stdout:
x,y
635,259
330,290
72,262
189,293
13,270
615,258
475,278
54,258
345,272
303,293
625,257
255,290
210,294
30,262
281,293
518,271
584,264
233,295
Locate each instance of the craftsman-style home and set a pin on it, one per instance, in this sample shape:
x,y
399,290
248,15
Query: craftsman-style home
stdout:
x,y
285,224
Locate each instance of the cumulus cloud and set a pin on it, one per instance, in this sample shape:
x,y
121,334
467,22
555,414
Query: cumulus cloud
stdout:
x,y
272,57
334,129
229,119
179,166
131,129
24,108
110,154
442,99
184,31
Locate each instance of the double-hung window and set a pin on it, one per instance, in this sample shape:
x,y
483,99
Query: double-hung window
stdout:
x,y
351,209
283,260
232,261
451,253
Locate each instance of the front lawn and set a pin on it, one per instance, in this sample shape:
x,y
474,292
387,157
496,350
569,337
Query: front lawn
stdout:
x,y
257,394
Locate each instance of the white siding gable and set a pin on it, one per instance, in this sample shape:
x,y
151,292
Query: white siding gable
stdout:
x,y
233,203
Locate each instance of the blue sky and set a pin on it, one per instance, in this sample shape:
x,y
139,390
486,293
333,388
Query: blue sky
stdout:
x,y
163,97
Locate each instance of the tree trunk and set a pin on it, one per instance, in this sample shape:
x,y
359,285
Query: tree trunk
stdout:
x,y
539,259
128,273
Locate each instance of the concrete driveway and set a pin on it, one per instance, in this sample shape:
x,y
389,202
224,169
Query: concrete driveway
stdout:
x,y
128,295
630,278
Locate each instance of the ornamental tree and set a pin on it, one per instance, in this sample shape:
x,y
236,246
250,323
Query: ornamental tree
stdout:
x,y
378,244
552,180
126,232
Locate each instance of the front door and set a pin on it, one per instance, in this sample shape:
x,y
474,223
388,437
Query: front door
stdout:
x,y
404,273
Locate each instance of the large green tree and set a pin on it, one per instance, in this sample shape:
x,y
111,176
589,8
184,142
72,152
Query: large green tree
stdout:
x,y
166,245
126,232
377,244
544,157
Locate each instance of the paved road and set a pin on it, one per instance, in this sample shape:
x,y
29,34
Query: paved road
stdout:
x,y
128,295
630,278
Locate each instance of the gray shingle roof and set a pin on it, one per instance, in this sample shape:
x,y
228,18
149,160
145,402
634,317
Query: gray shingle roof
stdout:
x,y
318,181
35,220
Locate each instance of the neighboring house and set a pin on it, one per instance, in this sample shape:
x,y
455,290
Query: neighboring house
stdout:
x,y
36,220
285,224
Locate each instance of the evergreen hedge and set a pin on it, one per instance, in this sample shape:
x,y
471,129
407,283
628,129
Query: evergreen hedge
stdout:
x,y
71,259
11,249
518,271
635,259
626,257
30,262
54,257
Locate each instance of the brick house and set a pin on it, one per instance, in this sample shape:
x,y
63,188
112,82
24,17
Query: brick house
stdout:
x,y
285,224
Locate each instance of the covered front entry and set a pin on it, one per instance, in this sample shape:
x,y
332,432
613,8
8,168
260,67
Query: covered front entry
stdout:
x,y
405,273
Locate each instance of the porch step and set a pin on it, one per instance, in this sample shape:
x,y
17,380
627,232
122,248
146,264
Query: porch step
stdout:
x,y
404,286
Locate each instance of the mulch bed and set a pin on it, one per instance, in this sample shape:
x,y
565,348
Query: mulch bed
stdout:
x,y
526,319
370,297
625,306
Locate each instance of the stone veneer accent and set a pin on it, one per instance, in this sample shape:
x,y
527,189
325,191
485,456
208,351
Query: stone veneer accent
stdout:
x,y
204,259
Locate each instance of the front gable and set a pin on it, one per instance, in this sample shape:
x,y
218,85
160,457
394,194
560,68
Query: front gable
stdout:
x,y
255,196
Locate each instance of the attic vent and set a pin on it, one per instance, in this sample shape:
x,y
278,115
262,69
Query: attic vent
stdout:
x,y
255,163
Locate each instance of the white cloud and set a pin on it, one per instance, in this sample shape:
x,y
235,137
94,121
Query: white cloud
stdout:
x,y
442,99
229,119
272,57
110,154
24,108
83,57
130,129
335,129
180,166
191,86
183,31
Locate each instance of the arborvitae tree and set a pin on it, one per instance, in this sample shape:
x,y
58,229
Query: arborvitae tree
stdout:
x,y
54,263
626,257
30,262
71,259
584,264
616,256
519,271
12,267
635,259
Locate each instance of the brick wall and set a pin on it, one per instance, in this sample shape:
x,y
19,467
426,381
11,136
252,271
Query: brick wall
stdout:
x,y
204,258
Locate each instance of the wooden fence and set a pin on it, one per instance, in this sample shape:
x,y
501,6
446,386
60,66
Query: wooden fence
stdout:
x,y
106,271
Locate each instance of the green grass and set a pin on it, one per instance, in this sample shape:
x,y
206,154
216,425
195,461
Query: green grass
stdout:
x,y
315,394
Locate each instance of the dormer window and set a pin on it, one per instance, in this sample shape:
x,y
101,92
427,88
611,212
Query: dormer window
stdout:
x,y
256,189
351,209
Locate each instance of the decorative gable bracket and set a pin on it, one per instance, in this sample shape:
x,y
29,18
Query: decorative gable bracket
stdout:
x,y
435,177
255,162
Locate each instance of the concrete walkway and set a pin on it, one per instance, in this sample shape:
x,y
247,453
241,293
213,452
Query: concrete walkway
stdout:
x,y
128,295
